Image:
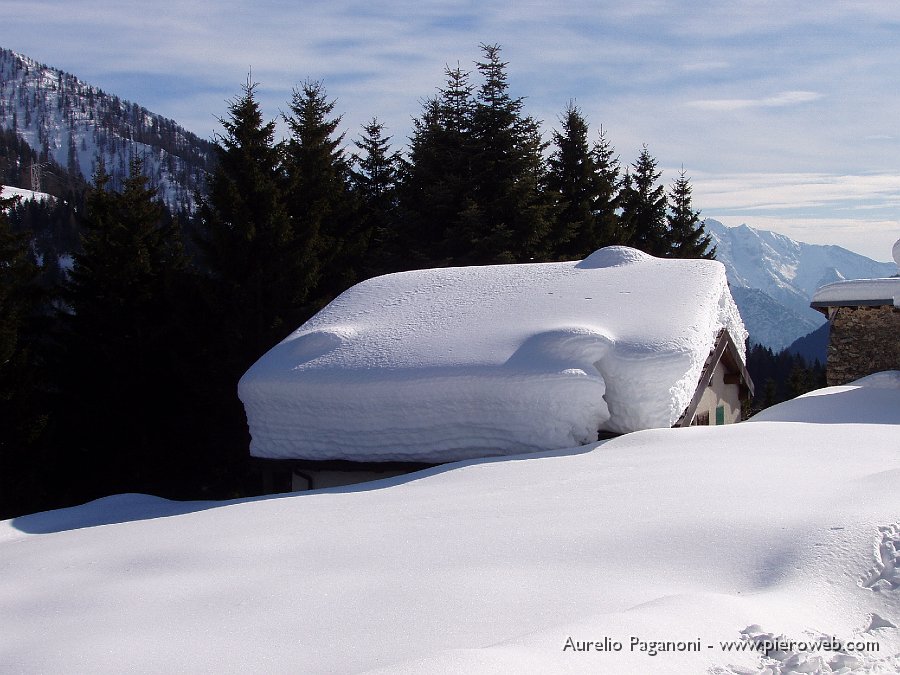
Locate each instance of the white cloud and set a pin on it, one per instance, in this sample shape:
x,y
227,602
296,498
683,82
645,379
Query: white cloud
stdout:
x,y
780,100
854,211
648,72
795,190
705,66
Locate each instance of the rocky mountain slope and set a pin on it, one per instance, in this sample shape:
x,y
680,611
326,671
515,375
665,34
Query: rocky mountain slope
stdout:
x,y
74,124
773,277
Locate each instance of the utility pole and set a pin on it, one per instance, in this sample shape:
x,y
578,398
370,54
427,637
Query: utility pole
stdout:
x,y
37,174
35,177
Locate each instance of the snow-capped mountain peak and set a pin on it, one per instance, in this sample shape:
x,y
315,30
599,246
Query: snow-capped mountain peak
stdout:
x,y
774,277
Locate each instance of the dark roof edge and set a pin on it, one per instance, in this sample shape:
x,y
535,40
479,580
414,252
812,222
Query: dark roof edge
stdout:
x,y
338,464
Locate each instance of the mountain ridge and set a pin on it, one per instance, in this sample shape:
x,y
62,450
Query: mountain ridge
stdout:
x,y
74,124
774,277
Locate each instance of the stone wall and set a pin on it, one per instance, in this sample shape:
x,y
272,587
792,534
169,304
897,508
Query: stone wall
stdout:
x,y
864,340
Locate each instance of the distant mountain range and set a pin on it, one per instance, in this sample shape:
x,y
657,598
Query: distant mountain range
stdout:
x,y
74,123
773,278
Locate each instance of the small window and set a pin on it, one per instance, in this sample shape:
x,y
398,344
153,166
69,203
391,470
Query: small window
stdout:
x,y
720,414
701,419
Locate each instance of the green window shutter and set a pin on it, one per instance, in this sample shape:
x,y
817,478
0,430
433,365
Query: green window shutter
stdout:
x,y
720,414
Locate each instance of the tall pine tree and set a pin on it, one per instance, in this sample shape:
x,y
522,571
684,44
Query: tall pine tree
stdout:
x,y
438,211
608,227
259,282
687,235
509,172
261,275
375,177
644,207
585,182
121,367
326,232
573,181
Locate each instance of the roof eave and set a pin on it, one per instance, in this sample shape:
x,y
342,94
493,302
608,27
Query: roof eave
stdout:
x,y
724,347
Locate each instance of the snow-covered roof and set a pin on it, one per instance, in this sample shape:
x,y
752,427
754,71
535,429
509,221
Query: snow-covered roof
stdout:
x,y
446,364
859,292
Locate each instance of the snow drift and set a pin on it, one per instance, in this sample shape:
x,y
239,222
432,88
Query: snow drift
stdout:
x,y
785,529
456,363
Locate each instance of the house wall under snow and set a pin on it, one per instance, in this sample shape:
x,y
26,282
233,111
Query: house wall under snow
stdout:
x,y
865,325
721,401
864,340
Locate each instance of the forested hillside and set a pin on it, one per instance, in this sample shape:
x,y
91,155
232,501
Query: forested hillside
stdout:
x,y
71,124
127,323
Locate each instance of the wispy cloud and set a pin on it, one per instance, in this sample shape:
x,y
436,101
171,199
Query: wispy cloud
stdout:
x,y
705,66
857,211
748,191
780,100
734,91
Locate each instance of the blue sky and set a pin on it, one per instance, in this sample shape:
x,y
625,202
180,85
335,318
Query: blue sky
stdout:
x,y
784,114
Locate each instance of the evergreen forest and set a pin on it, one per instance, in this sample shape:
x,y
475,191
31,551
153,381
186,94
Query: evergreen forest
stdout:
x,y
124,327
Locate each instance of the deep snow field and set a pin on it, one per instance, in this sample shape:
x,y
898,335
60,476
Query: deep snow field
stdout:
x,y
785,528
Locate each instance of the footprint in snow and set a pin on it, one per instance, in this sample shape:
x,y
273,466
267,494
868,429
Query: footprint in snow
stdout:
x,y
885,576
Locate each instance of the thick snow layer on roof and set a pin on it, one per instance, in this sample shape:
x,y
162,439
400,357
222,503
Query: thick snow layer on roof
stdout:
x,y
860,290
454,363
723,536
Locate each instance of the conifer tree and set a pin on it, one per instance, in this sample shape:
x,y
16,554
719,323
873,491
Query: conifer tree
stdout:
x,y
608,227
375,177
120,373
437,191
585,181
375,171
644,207
572,179
126,251
258,279
21,416
326,234
687,235
510,172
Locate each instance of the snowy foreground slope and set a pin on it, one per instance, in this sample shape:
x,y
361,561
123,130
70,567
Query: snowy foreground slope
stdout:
x,y
784,527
